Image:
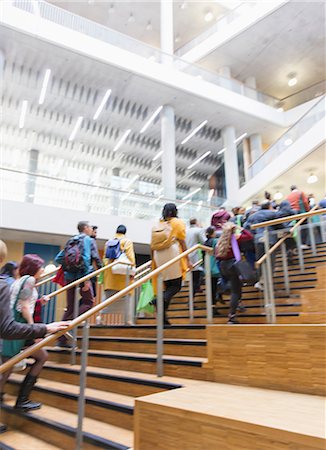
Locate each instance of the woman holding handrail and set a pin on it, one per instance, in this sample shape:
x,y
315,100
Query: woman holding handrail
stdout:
x,y
226,257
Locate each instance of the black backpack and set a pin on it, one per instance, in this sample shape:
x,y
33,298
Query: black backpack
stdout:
x,y
73,255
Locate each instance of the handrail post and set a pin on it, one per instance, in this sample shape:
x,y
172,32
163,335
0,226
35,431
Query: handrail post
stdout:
x,y
191,297
266,292
159,325
322,228
269,277
128,298
208,280
300,252
74,331
82,386
312,236
285,269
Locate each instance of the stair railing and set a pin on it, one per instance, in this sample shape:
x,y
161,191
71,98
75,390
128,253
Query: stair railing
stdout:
x,y
264,264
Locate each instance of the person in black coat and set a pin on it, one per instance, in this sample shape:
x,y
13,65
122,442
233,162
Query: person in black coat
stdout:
x,y
285,210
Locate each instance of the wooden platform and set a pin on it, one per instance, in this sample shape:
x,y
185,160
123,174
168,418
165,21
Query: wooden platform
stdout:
x,y
215,416
286,357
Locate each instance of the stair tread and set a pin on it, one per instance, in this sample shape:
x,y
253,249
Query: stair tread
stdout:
x,y
94,427
21,441
146,340
73,389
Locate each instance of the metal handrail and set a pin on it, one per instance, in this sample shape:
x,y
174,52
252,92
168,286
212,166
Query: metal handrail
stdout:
x,y
44,281
143,266
287,235
83,317
312,212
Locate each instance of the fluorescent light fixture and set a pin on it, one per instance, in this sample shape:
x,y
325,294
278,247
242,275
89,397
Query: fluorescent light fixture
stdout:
x,y
156,200
312,179
102,104
280,109
288,142
199,159
209,16
127,195
76,128
184,204
200,126
221,151
240,138
149,26
151,119
191,194
158,155
23,114
199,205
131,18
278,195
121,141
131,182
44,86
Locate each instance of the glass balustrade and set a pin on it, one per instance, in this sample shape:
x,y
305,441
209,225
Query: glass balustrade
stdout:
x,y
95,30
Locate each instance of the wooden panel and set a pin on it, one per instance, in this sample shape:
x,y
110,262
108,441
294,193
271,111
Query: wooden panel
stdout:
x,y
285,357
215,416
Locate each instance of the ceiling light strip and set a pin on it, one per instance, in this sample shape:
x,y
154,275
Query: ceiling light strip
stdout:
x,y
44,86
191,194
221,151
200,126
151,119
156,200
121,141
240,138
131,182
184,204
199,159
76,128
159,154
102,104
23,114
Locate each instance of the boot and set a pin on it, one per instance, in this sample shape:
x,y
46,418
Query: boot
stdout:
x,y
23,403
232,319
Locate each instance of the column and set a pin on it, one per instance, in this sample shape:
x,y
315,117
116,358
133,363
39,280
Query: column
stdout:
x,y
168,156
225,79
116,195
230,166
31,179
2,63
246,158
167,113
250,88
256,146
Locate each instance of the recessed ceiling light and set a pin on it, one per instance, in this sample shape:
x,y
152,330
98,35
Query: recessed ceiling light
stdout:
x,y
23,114
152,58
312,179
280,109
131,18
183,5
278,195
111,9
177,38
288,142
209,16
200,126
149,26
292,80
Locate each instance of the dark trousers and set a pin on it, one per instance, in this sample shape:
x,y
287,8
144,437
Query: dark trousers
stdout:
x,y
230,274
214,288
171,287
87,302
196,277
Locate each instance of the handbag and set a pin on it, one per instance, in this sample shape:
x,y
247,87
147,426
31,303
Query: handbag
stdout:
x,y
244,269
146,296
121,269
12,347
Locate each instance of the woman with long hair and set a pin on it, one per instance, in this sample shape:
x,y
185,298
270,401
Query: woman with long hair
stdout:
x,y
9,272
174,275
22,302
225,255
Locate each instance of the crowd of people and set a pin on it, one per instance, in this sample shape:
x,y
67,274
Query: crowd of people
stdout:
x,y
229,235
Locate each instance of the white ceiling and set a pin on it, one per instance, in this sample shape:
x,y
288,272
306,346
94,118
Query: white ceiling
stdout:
x,y
289,40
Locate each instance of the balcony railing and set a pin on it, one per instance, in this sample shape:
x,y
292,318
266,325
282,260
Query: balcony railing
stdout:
x,y
313,116
64,18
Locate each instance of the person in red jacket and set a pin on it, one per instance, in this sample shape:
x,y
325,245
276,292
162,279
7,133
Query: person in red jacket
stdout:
x,y
300,204
224,254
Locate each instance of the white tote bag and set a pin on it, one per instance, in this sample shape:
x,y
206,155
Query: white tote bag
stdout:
x,y
121,269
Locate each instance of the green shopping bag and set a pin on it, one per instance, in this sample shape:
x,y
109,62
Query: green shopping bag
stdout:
x,y
146,296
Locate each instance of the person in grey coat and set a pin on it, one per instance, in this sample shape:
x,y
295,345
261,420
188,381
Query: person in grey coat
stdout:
x,y
195,235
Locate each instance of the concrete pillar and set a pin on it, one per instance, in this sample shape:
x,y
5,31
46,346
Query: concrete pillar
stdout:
x,y
168,156
230,166
250,88
256,146
246,158
166,30
225,79
116,195
31,179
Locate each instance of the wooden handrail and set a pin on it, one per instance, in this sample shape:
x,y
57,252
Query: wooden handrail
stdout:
x,y
312,212
40,283
86,315
287,235
46,275
143,266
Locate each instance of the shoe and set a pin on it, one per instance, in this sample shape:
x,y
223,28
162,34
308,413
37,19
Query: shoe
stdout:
x,y
304,247
64,345
232,320
241,308
23,403
3,428
259,286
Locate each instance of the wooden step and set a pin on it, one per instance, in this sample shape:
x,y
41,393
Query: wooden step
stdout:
x,y
129,383
178,366
58,428
182,347
17,440
250,309
115,409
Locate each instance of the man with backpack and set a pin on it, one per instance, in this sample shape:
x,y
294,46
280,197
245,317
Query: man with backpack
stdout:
x,y
115,278
76,261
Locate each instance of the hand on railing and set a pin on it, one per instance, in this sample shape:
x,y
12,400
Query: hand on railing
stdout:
x,y
54,327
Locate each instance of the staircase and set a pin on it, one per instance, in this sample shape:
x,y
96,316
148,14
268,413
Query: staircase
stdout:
x,y
122,365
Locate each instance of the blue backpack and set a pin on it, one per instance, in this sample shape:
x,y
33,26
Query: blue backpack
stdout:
x,y
113,249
